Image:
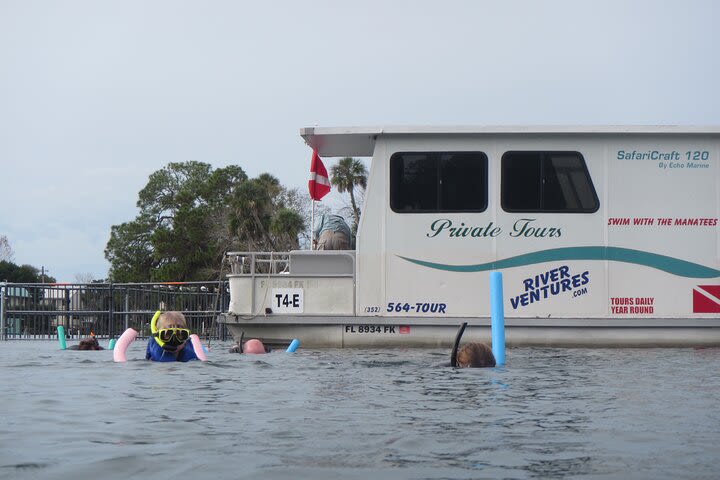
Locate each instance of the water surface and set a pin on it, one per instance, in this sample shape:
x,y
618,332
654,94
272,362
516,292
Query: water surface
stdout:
x,y
358,414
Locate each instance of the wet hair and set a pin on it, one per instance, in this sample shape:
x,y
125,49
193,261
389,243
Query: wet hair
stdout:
x,y
171,318
476,355
89,343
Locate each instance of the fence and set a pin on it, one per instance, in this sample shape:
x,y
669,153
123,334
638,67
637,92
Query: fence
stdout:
x,y
35,310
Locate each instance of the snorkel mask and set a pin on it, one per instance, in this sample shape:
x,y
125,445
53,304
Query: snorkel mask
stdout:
x,y
169,339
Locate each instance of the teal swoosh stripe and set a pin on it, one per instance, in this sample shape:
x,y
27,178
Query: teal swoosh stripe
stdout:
x,y
675,266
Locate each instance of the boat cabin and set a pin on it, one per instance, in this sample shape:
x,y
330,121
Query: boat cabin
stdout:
x,y
603,235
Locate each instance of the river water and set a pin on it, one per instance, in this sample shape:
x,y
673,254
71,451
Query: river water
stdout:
x,y
359,414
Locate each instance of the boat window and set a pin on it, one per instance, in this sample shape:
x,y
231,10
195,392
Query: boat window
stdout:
x,y
556,182
432,182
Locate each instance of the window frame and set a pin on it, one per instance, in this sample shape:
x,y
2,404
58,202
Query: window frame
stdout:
x,y
543,155
436,155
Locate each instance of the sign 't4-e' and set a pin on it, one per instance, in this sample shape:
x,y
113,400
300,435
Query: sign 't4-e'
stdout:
x,y
287,300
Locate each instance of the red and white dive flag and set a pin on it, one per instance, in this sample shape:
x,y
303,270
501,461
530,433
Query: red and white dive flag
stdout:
x,y
706,299
319,184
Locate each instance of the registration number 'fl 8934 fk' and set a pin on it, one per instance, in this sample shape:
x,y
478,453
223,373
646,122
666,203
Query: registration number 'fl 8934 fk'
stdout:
x,y
419,307
370,329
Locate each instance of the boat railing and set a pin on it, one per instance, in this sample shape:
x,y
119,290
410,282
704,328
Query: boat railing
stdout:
x,y
324,276
253,263
333,263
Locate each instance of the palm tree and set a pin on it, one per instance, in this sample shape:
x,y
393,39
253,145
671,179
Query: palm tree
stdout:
x,y
252,207
286,225
347,174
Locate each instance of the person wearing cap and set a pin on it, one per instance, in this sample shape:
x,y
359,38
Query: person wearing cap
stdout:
x,y
169,340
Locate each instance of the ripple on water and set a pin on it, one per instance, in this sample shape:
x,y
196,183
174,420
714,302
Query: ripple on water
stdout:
x,y
395,413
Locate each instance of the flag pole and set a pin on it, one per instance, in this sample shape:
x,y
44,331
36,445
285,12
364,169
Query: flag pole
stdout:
x,y
318,187
312,225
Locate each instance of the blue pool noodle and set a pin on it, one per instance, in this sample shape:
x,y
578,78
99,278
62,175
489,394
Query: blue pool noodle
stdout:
x,y
111,345
293,345
61,337
497,314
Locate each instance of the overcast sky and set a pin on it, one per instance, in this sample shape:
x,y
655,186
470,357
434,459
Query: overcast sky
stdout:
x,y
97,95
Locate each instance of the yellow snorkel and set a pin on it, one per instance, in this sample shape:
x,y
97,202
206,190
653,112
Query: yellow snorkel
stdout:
x,y
154,329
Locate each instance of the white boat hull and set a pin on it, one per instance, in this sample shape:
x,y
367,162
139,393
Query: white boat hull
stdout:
x,y
341,332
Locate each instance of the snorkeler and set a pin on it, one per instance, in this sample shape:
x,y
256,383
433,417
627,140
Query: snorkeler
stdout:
x,y
169,341
89,343
473,354
252,346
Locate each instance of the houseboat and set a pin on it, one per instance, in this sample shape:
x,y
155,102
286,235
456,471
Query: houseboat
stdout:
x,y
605,236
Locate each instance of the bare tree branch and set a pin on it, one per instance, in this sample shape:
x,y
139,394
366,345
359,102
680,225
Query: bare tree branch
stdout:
x,y
6,251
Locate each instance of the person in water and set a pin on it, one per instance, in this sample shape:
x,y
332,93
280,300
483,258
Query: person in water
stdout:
x,y
169,340
473,354
89,343
252,346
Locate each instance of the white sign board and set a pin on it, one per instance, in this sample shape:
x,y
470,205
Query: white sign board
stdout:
x,y
287,300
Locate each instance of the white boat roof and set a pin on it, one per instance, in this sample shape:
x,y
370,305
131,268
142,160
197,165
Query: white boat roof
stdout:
x,y
360,141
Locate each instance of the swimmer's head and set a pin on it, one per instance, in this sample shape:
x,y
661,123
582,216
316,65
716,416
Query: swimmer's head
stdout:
x,y
171,331
171,320
89,343
253,346
475,355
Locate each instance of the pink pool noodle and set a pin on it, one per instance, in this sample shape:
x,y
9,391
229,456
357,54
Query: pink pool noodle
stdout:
x,y
122,344
197,346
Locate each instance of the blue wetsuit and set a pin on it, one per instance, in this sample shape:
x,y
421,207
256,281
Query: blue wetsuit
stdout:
x,y
156,353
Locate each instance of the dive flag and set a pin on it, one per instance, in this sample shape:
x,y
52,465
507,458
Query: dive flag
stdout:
x,y
706,299
319,184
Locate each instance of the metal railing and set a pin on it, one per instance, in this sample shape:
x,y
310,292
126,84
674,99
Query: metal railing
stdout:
x,y
35,310
255,263
296,265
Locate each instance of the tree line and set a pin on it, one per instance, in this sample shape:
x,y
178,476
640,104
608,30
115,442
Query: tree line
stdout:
x,y
190,215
